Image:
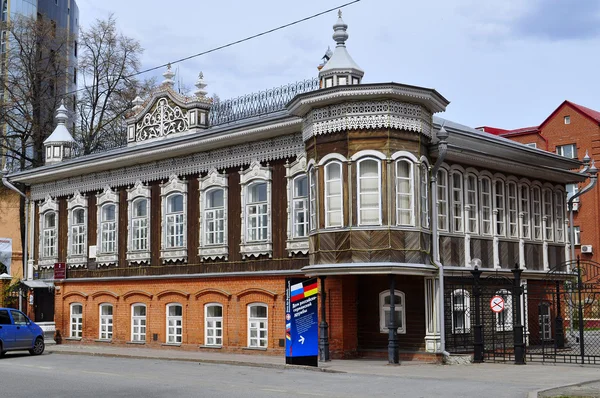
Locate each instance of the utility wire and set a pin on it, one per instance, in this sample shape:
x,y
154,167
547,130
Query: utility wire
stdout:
x,y
230,44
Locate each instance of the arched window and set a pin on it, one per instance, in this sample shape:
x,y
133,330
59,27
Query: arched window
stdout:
x,y
424,193
175,221
385,310
174,323
536,212
312,176
545,321
559,202
333,195
256,210
78,232
258,325
108,229
525,212
139,225
300,206
369,192
471,204
457,201
442,199
513,220
76,324
106,321
461,311
138,323
548,215
49,234
214,217
405,193
504,318
256,229
500,207
213,324
486,206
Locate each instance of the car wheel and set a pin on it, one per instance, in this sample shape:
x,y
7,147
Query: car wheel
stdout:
x,y
38,347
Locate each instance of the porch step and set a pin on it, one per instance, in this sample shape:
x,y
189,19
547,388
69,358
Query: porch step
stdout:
x,y
458,359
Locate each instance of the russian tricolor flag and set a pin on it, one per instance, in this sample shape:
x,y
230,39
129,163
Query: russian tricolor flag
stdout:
x,y
305,289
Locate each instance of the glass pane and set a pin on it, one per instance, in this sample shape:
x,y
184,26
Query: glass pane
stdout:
x,y
107,310
300,187
257,193
215,198
214,311
139,208
175,310
50,220
77,309
258,311
175,203
333,171
369,168
79,216
139,310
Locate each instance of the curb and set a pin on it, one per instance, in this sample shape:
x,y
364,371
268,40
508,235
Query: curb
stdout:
x,y
535,394
200,361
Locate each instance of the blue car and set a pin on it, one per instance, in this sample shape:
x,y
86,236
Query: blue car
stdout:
x,y
17,332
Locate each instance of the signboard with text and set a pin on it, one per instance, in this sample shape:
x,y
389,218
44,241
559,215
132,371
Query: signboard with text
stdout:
x,y
60,271
301,322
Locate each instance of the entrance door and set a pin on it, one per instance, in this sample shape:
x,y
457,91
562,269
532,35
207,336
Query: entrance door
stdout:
x,y
544,321
44,305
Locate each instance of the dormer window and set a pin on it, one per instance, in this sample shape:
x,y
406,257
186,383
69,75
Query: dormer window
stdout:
x,y
329,82
342,81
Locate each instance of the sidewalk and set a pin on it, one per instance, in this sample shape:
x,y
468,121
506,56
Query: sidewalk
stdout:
x,y
544,380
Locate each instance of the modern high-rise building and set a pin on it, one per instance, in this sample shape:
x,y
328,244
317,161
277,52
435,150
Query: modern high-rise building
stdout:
x,y
64,15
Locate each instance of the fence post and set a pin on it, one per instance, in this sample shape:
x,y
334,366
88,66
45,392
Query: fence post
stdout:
x,y
580,308
559,324
393,355
478,328
517,326
323,327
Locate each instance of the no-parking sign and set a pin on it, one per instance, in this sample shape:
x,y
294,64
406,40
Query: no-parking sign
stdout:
x,y
497,304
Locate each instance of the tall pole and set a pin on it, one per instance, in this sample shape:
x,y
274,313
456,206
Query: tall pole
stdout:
x,y
323,327
478,328
518,327
580,308
392,342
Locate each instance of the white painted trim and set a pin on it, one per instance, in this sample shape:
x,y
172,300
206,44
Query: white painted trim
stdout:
x,y
138,191
213,180
404,154
386,293
358,192
368,153
106,198
173,186
341,183
332,156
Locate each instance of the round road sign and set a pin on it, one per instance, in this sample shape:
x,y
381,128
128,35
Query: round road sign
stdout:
x,y
497,304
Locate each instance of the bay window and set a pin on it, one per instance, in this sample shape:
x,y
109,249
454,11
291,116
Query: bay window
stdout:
x,y
486,206
471,203
457,201
536,212
405,200
513,220
500,207
524,211
424,193
313,209
333,195
548,215
442,199
369,192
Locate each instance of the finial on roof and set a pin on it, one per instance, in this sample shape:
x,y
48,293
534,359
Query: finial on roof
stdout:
x,y
340,35
168,75
200,84
137,104
61,113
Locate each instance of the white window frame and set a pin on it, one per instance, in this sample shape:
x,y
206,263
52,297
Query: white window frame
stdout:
x,y
215,325
359,191
525,210
104,255
487,205
576,235
572,189
77,233
75,322
567,150
567,119
471,205
313,221
168,252
254,324
547,198
106,325
139,324
500,207
512,213
298,205
174,332
48,236
255,174
329,197
504,319
135,255
208,184
464,308
442,200
410,194
424,193
536,213
560,204
401,308
457,200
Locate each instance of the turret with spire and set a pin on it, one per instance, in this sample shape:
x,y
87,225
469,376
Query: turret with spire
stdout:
x,y
340,69
59,146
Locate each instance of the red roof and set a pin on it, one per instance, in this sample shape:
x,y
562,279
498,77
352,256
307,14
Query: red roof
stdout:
x,y
505,133
492,130
586,111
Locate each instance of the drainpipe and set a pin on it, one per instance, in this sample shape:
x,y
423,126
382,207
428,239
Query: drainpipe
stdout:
x,y
593,172
27,273
442,136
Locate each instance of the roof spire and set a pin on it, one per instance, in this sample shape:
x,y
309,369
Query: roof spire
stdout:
x,y
339,31
168,75
200,85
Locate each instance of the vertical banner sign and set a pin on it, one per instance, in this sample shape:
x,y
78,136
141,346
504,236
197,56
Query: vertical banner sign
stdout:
x,y
5,255
301,322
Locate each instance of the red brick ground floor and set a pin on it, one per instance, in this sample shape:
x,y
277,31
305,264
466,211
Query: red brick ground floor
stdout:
x,y
239,314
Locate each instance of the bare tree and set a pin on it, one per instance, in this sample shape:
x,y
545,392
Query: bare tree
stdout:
x,y
108,60
35,71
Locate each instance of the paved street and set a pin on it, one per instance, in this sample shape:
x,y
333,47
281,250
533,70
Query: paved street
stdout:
x,y
59,375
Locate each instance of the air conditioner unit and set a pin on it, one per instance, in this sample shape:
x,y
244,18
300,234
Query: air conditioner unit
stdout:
x,y
575,206
586,249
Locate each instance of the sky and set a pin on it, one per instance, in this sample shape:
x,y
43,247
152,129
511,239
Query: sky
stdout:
x,y
505,64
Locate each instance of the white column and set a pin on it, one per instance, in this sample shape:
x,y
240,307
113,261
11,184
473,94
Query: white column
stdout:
x,y
467,236
545,244
521,242
525,312
30,241
496,241
432,312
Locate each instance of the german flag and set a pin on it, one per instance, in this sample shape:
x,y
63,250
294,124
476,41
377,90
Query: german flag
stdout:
x,y
304,289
